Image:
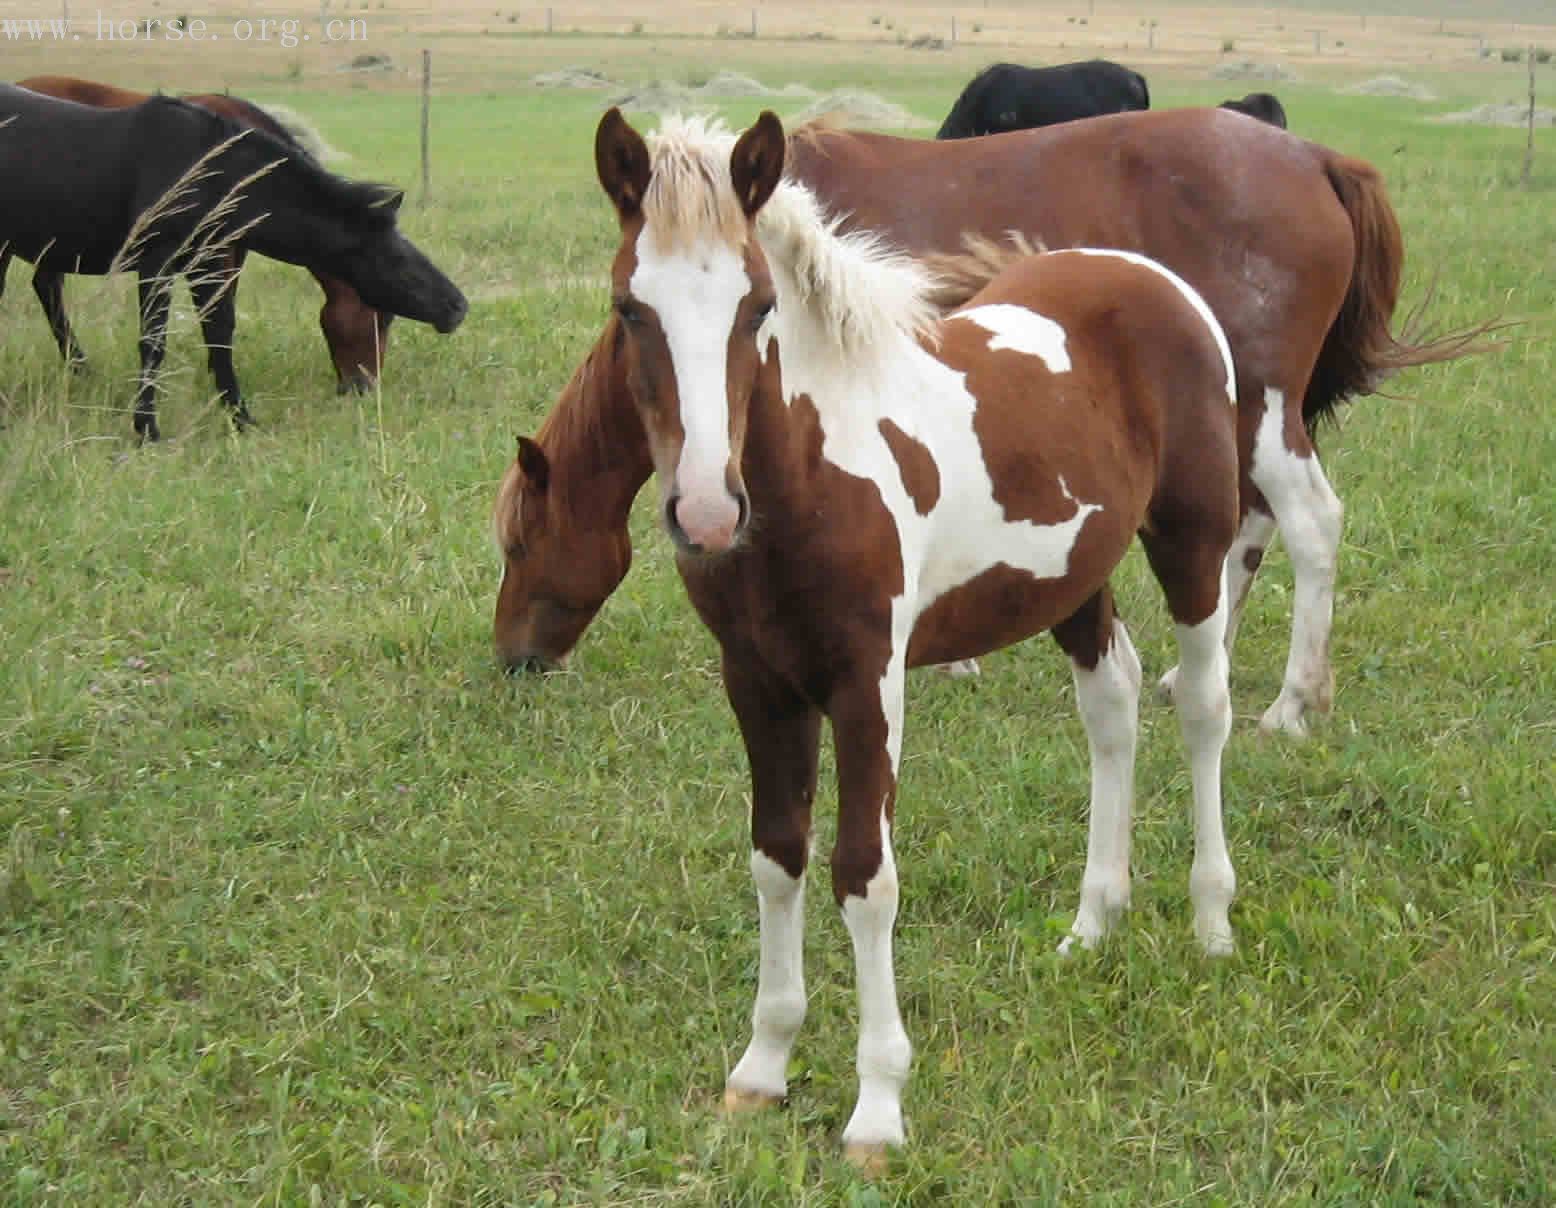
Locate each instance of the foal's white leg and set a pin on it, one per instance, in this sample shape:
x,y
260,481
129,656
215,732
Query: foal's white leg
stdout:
x,y
1109,700
760,1076
884,1053
1205,716
884,1050
1309,514
1253,539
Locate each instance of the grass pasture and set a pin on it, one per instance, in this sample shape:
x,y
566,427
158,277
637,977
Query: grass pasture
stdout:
x,y
301,901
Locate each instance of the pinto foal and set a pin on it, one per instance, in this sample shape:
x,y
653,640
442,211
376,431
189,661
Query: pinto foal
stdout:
x,y
854,487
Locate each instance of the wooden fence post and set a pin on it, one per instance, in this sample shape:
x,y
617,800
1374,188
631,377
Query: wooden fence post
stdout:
x,y
426,107
1529,147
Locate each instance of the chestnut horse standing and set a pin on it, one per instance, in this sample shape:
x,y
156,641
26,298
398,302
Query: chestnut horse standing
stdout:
x,y
355,333
925,491
1294,246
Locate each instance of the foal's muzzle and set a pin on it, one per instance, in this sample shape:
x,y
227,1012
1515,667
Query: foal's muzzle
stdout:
x,y
707,527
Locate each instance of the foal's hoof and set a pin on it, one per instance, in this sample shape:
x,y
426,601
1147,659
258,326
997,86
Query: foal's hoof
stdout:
x,y
868,1158
242,421
739,1102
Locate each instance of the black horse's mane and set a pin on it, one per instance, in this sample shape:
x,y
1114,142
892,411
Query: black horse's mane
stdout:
x,y
280,146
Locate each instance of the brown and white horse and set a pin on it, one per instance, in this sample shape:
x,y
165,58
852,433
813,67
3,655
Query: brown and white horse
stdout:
x,y
854,487
354,332
1294,246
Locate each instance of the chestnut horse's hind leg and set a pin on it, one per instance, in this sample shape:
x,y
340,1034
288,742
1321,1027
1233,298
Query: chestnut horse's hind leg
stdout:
x,y
1310,516
50,288
1107,677
782,737
215,297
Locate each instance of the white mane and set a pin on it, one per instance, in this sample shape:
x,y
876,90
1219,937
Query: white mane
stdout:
x,y
850,296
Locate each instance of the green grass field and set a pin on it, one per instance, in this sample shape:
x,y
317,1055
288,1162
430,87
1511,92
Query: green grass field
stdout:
x,y
301,901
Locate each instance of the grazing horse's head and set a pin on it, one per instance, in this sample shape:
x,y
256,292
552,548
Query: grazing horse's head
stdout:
x,y
358,240
562,559
691,288
291,208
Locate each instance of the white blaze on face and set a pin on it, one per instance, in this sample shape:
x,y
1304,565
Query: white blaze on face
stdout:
x,y
1021,330
696,293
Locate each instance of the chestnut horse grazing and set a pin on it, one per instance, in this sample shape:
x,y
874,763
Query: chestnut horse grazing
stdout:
x,y
854,487
1294,246
355,333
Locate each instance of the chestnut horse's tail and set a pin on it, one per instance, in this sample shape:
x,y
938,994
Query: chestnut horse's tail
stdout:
x,y
1360,351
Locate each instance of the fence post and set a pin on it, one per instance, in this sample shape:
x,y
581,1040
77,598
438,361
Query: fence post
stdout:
x,y
426,106
953,28
1529,148
548,19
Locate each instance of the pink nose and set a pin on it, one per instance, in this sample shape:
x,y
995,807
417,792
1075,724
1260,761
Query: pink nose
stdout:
x,y
709,521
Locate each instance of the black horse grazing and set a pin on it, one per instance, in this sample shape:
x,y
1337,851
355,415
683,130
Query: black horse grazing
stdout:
x,y
1262,105
168,189
1008,96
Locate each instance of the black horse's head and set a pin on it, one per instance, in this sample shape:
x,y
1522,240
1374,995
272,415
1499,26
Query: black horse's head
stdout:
x,y
358,240
289,207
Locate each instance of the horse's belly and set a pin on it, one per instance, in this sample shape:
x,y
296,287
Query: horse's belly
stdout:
x,y
974,599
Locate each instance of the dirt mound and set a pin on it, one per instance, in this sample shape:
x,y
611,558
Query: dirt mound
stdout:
x,y
573,77
1247,69
852,108
733,84
657,96
1512,114
1387,85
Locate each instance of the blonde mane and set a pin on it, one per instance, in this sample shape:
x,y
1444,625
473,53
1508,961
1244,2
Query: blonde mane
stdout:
x,y
852,294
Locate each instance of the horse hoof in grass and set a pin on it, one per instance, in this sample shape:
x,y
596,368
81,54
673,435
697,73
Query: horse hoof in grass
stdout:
x,y
869,1159
739,1103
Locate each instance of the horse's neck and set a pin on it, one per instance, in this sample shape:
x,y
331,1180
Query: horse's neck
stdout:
x,y
594,438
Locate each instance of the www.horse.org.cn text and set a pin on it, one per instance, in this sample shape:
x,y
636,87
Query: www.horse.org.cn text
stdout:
x,y
285,32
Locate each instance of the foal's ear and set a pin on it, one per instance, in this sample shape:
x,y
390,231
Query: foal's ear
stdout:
x,y
621,159
757,162
532,460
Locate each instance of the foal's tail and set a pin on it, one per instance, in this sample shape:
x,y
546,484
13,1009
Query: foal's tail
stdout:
x,y
1360,351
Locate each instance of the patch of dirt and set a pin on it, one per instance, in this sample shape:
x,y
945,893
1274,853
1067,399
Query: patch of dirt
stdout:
x,y
850,107
1512,114
1247,69
573,77
1390,85
659,96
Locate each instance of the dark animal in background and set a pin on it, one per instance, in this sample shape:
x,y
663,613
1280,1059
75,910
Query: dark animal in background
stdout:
x,y
125,198
1008,96
356,334
1262,105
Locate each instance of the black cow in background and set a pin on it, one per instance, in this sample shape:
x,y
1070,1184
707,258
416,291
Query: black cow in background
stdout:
x,y
1008,96
1261,105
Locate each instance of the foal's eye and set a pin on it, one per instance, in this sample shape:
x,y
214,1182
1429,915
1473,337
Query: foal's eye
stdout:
x,y
627,310
760,316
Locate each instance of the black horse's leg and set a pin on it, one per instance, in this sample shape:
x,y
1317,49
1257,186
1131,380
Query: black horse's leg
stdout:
x,y
154,290
50,288
215,299
5,263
